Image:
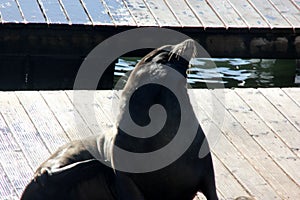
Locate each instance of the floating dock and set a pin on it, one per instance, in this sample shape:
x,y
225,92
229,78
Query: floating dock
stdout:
x,y
256,151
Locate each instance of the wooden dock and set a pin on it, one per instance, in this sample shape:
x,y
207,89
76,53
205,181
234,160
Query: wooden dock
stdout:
x,y
257,152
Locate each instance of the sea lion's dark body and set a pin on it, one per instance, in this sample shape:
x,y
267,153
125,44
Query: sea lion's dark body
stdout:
x,y
73,173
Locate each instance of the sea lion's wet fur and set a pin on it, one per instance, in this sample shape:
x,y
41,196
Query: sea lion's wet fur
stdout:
x,y
73,173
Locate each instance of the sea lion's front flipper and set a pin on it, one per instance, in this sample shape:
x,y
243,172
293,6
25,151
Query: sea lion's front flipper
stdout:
x,y
50,182
127,189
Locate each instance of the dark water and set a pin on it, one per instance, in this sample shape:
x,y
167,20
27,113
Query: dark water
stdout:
x,y
232,72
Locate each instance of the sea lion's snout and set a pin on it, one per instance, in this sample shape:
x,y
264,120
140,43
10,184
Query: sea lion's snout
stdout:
x,y
185,50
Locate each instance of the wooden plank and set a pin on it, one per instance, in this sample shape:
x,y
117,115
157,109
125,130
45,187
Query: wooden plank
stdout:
x,y
249,14
86,105
75,12
274,119
230,156
183,13
97,12
293,93
227,14
23,130
284,104
263,135
119,12
109,104
297,2
6,189
227,184
289,11
237,164
66,114
247,145
13,162
206,15
31,11
53,11
10,12
162,13
141,13
45,122
266,9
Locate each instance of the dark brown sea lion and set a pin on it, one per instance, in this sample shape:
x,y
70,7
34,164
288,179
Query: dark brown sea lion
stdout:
x,y
75,173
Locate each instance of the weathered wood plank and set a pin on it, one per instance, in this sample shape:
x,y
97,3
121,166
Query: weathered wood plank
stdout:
x,y
6,189
274,119
267,139
141,13
183,13
119,12
162,13
206,15
10,12
249,14
227,184
13,162
53,11
31,11
66,114
227,14
97,12
293,93
289,11
248,145
91,112
23,130
284,104
238,165
266,9
75,12
224,149
43,119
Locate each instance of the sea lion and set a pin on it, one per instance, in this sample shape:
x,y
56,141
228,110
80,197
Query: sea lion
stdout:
x,y
73,172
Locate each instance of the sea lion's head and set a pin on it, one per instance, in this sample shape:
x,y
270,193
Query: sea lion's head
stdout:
x,y
175,56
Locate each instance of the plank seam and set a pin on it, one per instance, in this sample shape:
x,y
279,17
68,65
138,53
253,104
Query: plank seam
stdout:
x,y
21,12
195,14
239,14
261,15
52,112
41,6
79,113
39,135
288,21
18,145
284,115
217,13
86,12
65,11
173,13
150,10
108,12
131,14
295,4
294,100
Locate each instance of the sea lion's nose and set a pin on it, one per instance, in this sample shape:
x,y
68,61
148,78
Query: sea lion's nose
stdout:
x,y
186,49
